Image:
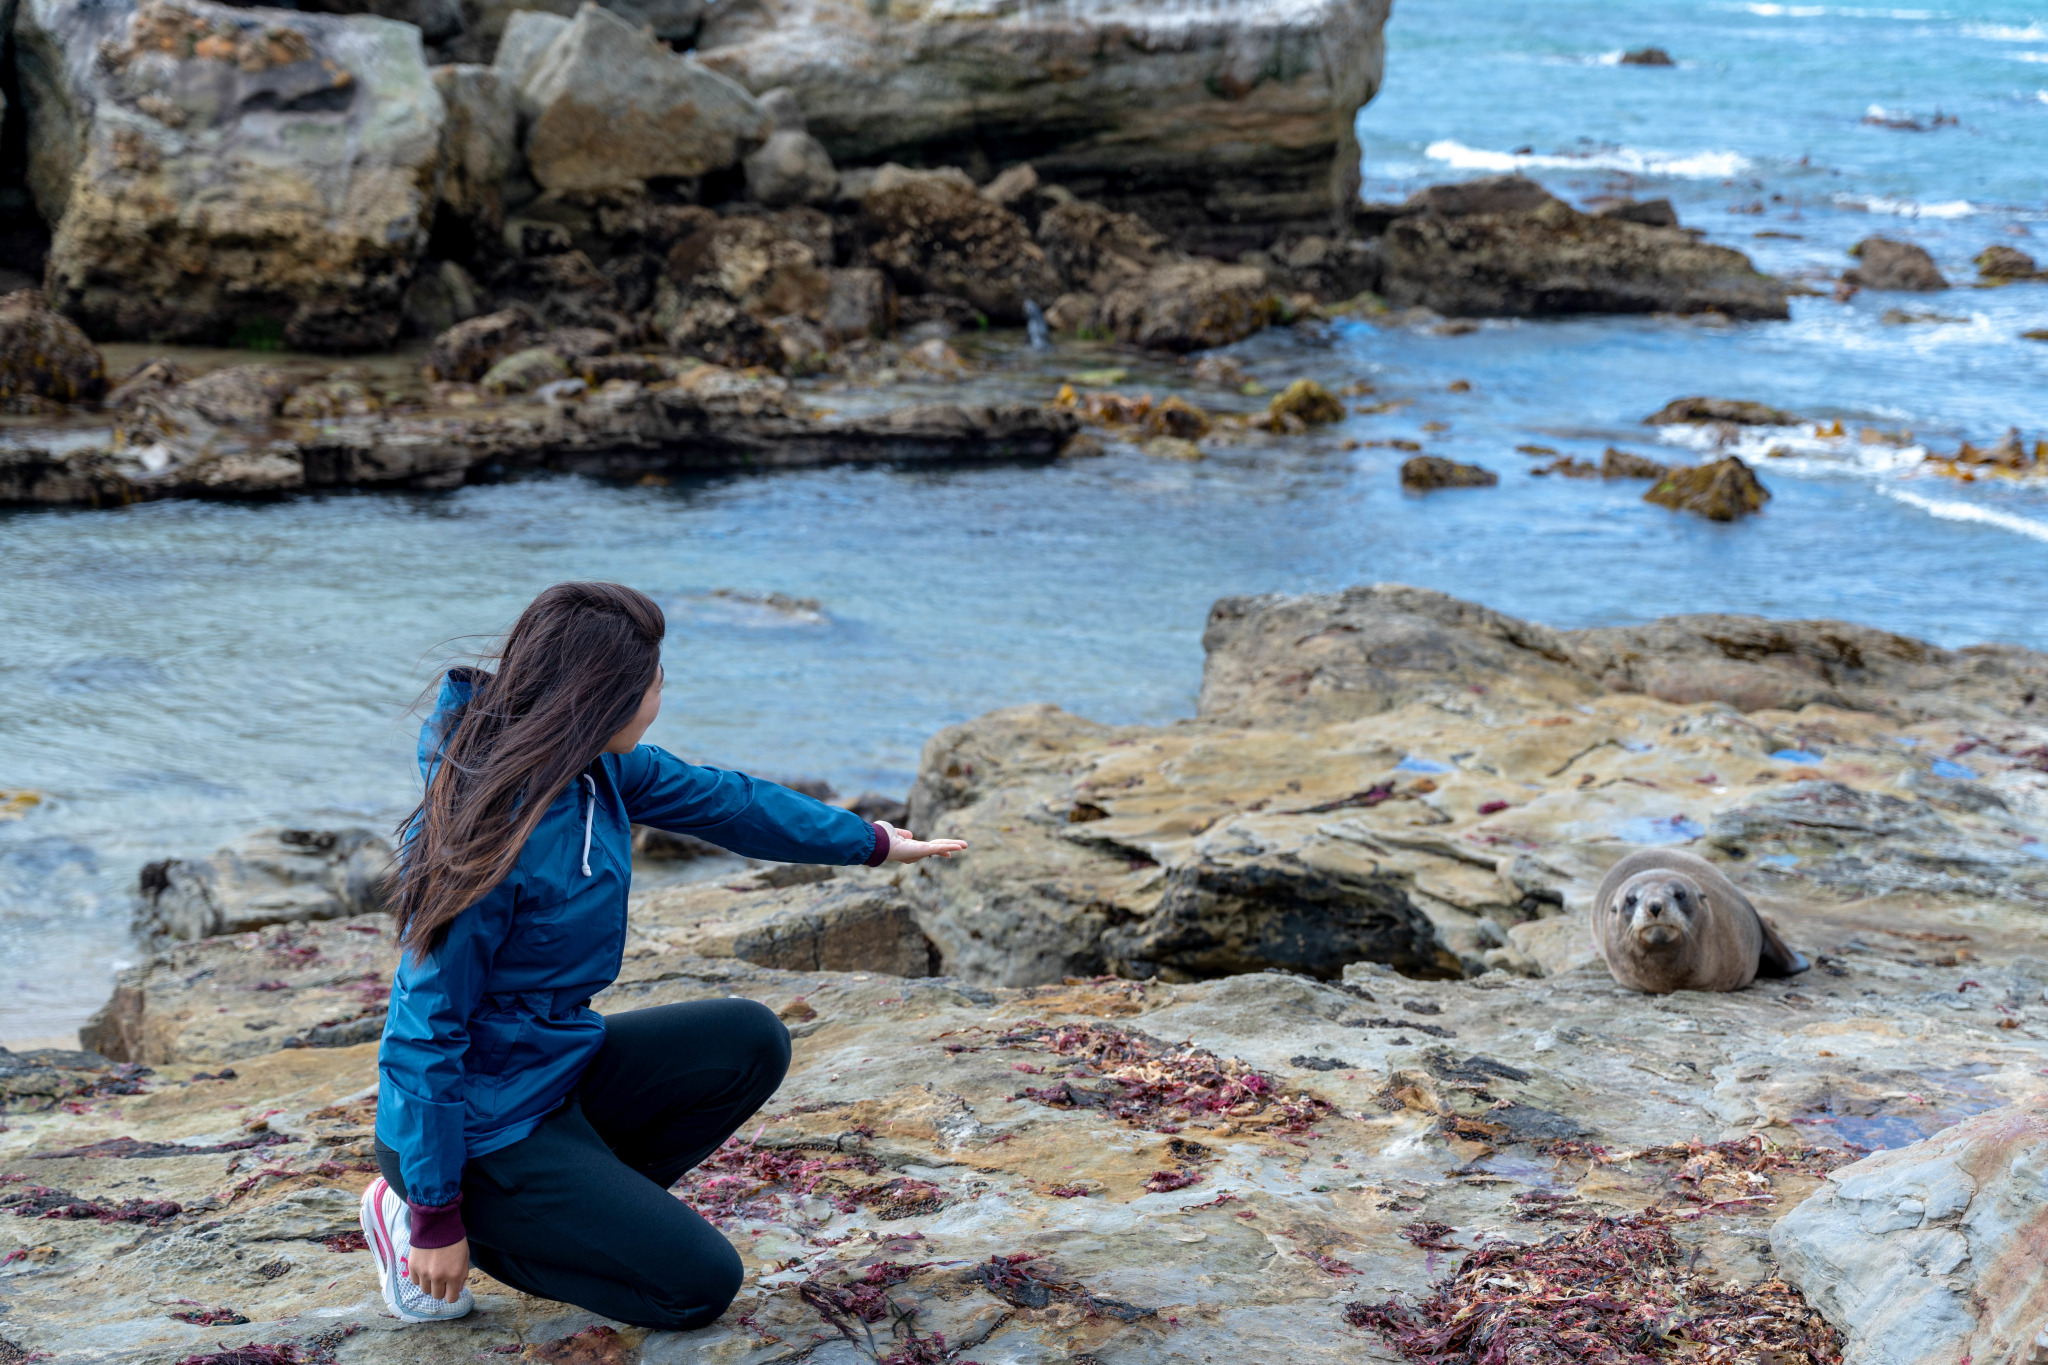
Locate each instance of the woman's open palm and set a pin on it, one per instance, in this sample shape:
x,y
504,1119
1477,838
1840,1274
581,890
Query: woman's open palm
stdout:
x,y
905,847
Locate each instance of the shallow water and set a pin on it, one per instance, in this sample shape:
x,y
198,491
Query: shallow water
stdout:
x,y
177,673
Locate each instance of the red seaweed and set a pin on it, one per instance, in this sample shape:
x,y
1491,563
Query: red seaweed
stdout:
x,y
741,1180
1617,1292
1148,1083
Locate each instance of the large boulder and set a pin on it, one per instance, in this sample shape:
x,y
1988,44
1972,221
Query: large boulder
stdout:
x,y
935,235
1931,1252
43,355
729,286
607,104
274,876
1504,247
1214,124
219,175
1885,264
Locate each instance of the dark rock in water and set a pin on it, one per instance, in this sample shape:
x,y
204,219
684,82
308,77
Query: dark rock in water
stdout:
x,y
1192,305
1424,472
1649,212
275,876
1647,56
876,806
1886,264
934,234
44,355
1722,491
1621,464
229,176
1737,410
1503,247
1308,402
1999,262
465,352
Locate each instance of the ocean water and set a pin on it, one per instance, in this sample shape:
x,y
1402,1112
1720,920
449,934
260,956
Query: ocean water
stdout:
x,y
174,674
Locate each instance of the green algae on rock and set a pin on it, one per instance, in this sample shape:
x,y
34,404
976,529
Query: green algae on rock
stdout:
x,y
1725,490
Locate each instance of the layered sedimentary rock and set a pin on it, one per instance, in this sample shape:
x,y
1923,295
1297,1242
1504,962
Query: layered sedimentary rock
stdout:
x,y
275,876
1393,775
1215,123
671,416
312,141
1503,247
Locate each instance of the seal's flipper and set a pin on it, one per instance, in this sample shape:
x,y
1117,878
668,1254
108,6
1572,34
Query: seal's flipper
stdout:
x,y
1777,957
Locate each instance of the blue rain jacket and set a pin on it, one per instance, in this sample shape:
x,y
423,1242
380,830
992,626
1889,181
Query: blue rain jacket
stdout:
x,y
489,1033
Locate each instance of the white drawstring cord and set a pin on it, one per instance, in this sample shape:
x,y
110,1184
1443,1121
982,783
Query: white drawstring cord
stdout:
x,y
589,818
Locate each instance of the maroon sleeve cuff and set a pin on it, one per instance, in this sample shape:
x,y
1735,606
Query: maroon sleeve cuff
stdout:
x,y
881,853
434,1226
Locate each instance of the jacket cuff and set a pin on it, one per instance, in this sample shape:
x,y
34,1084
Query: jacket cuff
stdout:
x,y
437,1225
881,853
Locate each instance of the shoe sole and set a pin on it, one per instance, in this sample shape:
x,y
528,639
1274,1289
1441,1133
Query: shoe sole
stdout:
x,y
369,1212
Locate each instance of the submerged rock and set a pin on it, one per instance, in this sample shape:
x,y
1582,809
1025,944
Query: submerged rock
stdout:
x,y
1503,247
1622,464
1308,402
1739,411
1725,490
1424,472
1886,264
1647,56
1215,125
219,175
43,355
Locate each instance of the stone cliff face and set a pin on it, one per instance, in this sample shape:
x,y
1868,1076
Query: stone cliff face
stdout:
x,y
1217,123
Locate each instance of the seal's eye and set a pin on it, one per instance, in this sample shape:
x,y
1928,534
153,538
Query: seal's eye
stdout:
x,y
1678,895
1629,903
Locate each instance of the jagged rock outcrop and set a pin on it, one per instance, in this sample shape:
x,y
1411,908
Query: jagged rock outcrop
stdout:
x,y
275,876
1504,247
605,104
479,148
313,142
740,291
1726,490
934,235
1216,125
1188,306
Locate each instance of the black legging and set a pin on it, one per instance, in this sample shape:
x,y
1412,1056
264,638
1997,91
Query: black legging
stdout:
x,y
580,1212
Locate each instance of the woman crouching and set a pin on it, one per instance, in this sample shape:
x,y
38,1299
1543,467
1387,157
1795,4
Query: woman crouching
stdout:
x,y
518,1129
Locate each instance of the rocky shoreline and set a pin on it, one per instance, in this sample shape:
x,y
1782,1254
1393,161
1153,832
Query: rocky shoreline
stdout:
x,y
1233,1034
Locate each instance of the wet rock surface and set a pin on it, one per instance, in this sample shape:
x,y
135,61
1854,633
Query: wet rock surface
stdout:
x,y
1503,247
985,1139
276,876
1725,490
1886,264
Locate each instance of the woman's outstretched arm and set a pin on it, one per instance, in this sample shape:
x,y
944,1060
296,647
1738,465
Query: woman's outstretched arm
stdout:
x,y
758,819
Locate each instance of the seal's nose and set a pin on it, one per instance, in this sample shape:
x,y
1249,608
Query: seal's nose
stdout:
x,y
1653,908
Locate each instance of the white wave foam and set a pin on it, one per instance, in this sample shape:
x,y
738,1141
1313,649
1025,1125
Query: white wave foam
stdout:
x,y
2030,56
1838,11
1949,510
2041,95
1698,165
2007,33
1907,208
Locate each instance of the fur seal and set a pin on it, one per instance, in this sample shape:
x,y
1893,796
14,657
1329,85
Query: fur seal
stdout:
x,y
1669,921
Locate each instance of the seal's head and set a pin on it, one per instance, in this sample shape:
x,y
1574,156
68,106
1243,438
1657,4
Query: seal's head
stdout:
x,y
1658,911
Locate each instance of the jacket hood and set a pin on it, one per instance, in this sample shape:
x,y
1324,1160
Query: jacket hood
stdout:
x,y
457,687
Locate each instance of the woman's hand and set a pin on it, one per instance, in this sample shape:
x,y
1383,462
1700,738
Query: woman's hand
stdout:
x,y
441,1270
905,847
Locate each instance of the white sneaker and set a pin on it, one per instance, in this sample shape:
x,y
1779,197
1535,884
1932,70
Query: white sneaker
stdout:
x,y
387,1226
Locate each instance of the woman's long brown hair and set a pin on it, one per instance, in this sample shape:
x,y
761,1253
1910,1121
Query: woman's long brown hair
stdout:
x,y
567,677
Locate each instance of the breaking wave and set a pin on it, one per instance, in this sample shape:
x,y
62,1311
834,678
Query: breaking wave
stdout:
x,y
1697,165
